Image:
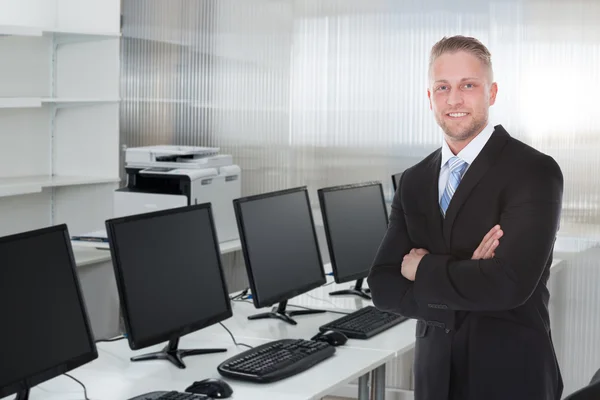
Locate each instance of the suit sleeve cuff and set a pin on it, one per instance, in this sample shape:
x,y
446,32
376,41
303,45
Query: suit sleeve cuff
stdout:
x,y
430,277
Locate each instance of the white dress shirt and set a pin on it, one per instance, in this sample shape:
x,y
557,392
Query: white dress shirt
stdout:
x,y
468,154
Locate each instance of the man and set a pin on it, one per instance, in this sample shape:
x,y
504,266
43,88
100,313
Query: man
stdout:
x,y
469,246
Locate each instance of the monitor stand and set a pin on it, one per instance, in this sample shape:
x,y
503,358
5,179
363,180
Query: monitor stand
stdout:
x,y
356,290
173,354
279,312
23,395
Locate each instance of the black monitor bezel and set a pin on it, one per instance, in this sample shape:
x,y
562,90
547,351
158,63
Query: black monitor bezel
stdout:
x,y
322,192
396,179
175,333
39,377
258,300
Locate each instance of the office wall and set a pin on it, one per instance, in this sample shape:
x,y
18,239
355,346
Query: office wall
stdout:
x,y
324,92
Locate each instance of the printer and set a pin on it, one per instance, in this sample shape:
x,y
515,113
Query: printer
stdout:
x,y
163,177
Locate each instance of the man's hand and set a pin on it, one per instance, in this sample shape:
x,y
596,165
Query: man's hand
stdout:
x,y
411,263
488,245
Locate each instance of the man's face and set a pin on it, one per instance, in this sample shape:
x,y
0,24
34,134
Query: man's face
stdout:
x,y
460,94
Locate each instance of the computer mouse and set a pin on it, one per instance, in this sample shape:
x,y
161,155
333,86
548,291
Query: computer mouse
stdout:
x,y
334,338
215,388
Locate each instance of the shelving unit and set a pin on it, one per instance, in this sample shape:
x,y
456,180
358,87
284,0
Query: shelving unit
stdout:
x,y
59,113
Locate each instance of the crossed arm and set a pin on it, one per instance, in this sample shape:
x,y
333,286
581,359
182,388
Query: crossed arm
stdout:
x,y
392,287
485,251
406,280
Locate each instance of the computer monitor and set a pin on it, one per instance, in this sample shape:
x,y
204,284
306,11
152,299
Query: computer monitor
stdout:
x,y
280,249
396,180
169,278
45,331
355,221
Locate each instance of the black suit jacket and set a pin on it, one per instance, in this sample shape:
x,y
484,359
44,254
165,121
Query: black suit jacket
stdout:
x,y
483,330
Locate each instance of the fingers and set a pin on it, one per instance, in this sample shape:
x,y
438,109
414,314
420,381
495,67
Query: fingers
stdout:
x,y
419,252
489,252
490,242
485,246
491,233
495,242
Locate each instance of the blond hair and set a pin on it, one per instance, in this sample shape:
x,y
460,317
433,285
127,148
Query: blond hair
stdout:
x,y
467,44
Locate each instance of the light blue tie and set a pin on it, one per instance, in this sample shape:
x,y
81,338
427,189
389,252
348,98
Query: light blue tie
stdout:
x,y
457,168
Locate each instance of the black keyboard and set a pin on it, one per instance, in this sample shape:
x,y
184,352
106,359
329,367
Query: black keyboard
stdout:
x,y
364,323
171,396
276,360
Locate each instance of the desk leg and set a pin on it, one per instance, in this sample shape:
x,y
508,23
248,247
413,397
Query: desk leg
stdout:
x,y
378,382
363,387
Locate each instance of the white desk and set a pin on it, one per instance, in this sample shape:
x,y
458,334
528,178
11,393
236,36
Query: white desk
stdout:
x,y
113,376
393,342
320,298
397,340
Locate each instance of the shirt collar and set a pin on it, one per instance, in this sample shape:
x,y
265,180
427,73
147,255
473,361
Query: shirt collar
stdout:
x,y
472,150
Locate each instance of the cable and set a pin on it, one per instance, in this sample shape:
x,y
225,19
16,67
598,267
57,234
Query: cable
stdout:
x,y
115,339
240,295
233,338
82,385
243,301
331,311
321,299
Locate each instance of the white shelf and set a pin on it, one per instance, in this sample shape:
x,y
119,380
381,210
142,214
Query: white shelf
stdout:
x,y
33,102
61,35
20,102
35,184
72,32
59,112
65,37
10,30
66,101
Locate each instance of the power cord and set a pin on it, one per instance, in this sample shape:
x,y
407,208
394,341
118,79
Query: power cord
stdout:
x,y
241,296
233,337
115,339
243,301
82,385
331,311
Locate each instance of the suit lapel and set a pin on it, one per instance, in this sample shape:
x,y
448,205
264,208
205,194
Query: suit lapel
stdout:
x,y
434,215
486,158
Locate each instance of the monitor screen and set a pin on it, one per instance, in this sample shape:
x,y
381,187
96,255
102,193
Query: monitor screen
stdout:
x,y
169,273
45,327
355,220
279,244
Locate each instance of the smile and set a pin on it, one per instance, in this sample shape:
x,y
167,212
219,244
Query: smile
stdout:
x,y
457,115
